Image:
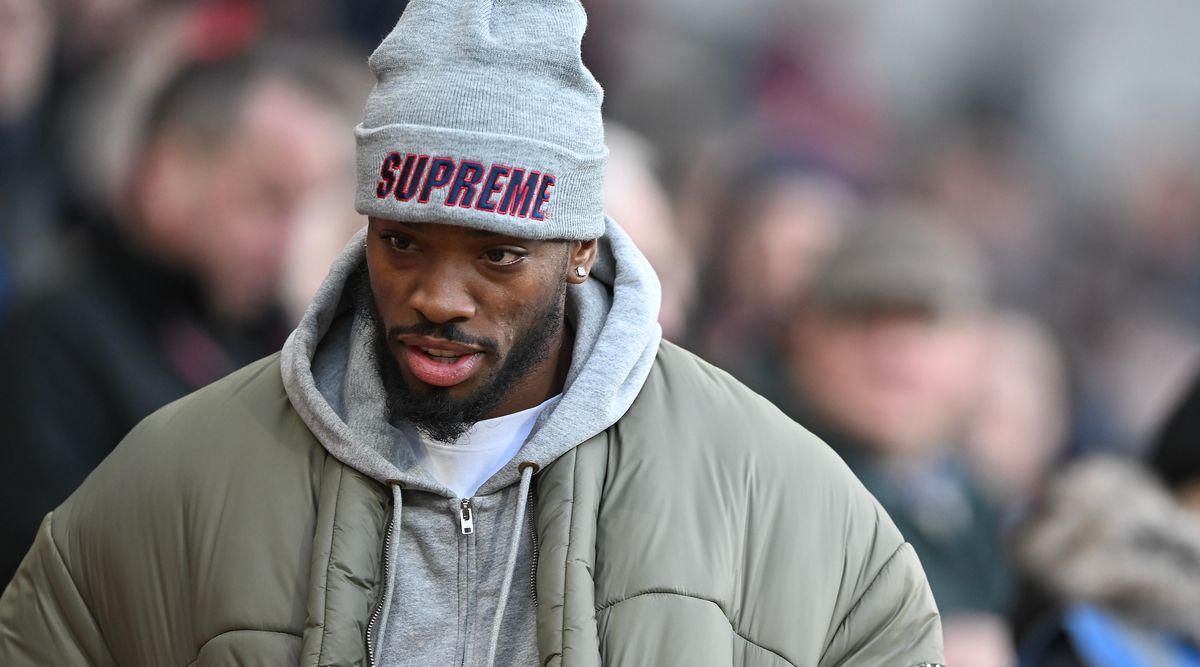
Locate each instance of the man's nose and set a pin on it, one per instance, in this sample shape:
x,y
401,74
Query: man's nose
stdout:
x,y
442,295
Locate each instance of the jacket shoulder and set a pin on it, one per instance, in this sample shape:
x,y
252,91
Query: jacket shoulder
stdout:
x,y
241,429
745,509
201,519
254,389
728,421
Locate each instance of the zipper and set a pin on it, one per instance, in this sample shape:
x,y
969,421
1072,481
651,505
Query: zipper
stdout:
x,y
386,581
534,537
466,523
466,517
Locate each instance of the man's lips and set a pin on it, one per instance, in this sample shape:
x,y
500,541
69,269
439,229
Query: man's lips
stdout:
x,y
440,362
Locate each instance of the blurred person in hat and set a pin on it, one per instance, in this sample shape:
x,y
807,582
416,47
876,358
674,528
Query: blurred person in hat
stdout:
x,y
885,359
177,286
475,449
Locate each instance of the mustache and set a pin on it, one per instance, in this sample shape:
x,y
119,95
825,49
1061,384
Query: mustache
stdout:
x,y
448,331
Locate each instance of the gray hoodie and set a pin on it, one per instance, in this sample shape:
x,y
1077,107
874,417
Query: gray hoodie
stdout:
x,y
459,597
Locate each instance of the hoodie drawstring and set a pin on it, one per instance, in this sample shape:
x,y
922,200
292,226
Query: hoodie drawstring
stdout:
x,y
527,470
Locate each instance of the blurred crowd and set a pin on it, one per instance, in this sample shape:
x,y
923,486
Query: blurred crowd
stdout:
x,y
958,239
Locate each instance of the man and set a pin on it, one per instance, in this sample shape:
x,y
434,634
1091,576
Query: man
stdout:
x,y
475,449
178,287
886,360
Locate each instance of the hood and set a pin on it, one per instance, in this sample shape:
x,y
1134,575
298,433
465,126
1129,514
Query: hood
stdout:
x,y
331,377
1109,535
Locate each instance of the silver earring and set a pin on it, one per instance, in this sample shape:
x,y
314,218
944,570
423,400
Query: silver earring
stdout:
x,y
581,272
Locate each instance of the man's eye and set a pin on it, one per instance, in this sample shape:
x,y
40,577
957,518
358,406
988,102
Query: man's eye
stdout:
x,y
399,243
504,256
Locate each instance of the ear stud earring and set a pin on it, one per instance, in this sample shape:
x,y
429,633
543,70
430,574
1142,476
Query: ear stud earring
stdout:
x,y
581,272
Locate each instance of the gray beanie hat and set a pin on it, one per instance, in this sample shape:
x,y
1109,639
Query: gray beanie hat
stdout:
x,y
484,116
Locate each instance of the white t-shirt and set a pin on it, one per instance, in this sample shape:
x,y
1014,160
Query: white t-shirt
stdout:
x,y
479,453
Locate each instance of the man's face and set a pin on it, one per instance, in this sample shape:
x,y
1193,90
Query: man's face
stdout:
x,y
472,321
900,381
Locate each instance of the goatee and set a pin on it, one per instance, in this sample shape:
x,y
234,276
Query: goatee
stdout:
x,y
431,410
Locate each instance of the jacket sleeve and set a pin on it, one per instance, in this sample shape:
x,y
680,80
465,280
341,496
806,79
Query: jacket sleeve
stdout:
x,y
894,621
44,619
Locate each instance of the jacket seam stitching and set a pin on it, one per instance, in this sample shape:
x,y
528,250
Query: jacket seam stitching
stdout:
x,y
734,630
337,499
71,578
861,597
233,630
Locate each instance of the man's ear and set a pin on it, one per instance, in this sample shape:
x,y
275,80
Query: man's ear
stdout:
x,y
582,254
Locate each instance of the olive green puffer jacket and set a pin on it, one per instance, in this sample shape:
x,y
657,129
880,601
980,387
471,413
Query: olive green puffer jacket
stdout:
x,y
703,528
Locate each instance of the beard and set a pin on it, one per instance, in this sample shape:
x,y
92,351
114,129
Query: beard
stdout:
x,y
431,410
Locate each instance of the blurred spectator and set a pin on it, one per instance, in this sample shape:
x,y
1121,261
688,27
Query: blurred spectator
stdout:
x,y
885,362
637,201
771,236
1019,426
180,287
1122,561
107,108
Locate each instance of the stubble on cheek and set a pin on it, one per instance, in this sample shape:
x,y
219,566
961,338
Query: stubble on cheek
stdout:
x,y
442,412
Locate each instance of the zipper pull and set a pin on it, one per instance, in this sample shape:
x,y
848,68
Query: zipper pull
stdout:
x,y
466,519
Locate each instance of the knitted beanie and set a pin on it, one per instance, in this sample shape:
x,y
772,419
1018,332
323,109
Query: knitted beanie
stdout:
x,y
483,115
